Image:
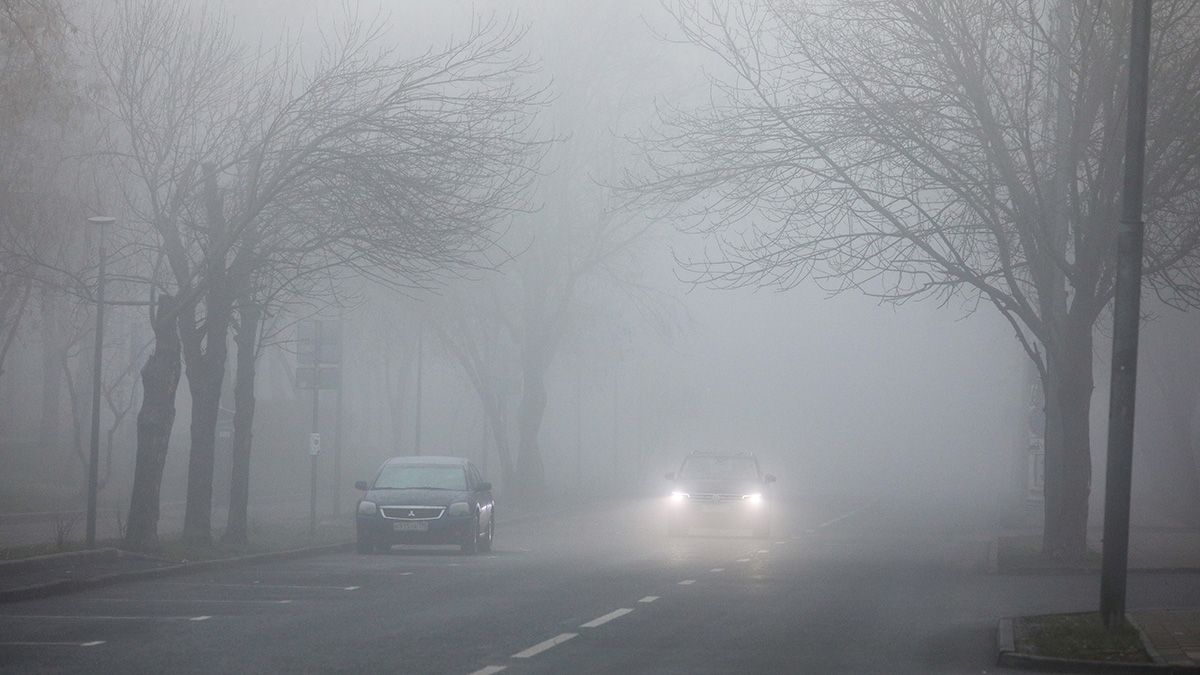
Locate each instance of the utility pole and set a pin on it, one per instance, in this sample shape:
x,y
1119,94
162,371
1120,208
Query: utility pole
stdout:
x,y
1126,316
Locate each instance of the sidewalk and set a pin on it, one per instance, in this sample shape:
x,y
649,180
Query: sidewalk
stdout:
x,y
1171,635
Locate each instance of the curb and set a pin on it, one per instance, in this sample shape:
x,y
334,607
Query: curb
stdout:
x,y
1008,657
64,586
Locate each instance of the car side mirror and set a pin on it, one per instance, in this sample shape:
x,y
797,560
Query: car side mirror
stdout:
x,y
769,478
670,476
361,485
483,487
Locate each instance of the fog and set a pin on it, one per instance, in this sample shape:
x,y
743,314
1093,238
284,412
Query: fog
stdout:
x,y
835,393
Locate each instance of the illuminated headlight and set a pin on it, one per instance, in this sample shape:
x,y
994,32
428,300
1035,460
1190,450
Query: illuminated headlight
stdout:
x,y
755,498
459,509
678,496
366,508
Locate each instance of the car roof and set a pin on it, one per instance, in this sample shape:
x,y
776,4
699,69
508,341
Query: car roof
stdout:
x,y
428,460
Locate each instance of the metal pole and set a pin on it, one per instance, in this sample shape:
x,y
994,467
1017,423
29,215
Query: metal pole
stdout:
x,y
94,453
1126,315
316,410
420,364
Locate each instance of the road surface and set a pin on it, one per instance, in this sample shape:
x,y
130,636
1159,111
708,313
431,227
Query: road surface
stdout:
x,y
842,586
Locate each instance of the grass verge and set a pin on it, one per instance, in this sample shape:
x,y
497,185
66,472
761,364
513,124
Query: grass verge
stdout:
x,y
1079,637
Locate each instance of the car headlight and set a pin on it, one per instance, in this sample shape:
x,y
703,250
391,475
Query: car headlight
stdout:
x,y
755,498
366,508
459,509
679,496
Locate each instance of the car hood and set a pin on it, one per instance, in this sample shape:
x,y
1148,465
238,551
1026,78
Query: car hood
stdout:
x,y
725,487
415,497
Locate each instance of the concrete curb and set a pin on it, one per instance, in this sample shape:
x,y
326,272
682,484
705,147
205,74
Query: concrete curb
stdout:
x,y
63,586
1008,657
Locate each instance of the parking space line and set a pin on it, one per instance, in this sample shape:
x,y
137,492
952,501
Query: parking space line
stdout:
x,y
489,670
649,598
606,618
189,601
303,588
92,617
93,643
543,646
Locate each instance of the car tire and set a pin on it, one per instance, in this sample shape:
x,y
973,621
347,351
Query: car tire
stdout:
x,y
472,546
364,546
485,544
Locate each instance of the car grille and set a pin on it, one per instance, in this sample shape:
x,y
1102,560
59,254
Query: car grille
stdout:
x,y
710,497
411,512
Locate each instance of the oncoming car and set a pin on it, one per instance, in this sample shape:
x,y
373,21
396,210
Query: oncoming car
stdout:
x,y
720,491
426,500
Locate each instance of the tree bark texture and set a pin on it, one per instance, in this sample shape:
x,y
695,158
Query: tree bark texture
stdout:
x,y
249,316
1068,449
160,382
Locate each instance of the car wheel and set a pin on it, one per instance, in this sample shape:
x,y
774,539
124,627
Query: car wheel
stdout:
x,y
472,546
364,546
485,544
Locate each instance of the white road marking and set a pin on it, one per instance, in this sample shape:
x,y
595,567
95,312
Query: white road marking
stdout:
x,y
781,542
649,598
201,618
764,550
606,618
52,644
717,569
489,670
543,646
847,515
91,617
177,600
743,560
687,582
258,585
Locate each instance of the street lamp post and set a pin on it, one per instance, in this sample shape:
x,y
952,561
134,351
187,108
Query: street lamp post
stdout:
x,y
94,456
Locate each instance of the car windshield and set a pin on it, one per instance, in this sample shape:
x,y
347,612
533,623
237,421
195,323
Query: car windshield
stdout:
x,y
719,468
408,476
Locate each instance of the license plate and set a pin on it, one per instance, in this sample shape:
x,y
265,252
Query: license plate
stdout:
x,y
419,526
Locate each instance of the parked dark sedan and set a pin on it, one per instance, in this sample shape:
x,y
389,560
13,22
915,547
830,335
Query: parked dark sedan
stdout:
x,y
426,500
720,491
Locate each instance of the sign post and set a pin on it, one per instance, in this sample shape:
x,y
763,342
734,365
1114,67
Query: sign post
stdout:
x,y
317,342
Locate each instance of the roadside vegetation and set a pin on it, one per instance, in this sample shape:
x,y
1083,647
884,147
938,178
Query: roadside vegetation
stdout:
x,y
1078,636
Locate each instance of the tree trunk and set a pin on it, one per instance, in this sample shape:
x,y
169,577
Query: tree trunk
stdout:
x,y
205,368
531,471
204,356
243,422
1065,535
160,381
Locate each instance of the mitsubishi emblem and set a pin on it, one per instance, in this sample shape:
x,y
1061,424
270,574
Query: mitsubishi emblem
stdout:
x,y
412,514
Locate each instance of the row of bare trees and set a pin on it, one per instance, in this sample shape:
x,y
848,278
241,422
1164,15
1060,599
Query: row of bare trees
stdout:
x,y
961,152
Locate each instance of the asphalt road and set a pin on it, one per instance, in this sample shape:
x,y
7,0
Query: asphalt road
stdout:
x,y
842,586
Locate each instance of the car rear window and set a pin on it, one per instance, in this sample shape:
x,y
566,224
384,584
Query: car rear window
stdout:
x,y
719,468
408,476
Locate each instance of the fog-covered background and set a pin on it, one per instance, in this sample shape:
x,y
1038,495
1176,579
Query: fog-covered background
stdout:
x,y
835,393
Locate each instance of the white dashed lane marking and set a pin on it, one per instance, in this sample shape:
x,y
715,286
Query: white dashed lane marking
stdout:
x,y
543,646
489,670
92,617
687,582
743,560
717,569
649,598
606,618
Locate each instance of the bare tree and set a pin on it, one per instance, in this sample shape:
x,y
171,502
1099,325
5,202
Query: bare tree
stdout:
x,y
255,173
940,150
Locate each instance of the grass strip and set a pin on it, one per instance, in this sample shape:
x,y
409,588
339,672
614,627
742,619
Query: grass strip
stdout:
x,y
1079,636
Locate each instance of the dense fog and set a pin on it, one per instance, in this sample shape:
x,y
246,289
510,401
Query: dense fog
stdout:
x,y
839,393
